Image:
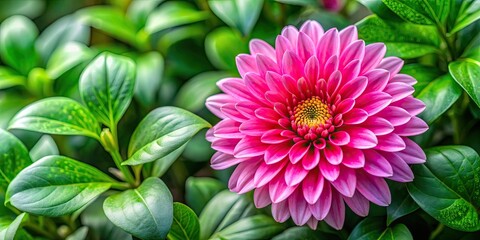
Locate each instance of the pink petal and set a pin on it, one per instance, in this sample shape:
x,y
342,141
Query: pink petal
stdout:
x,y
227,128
355,116
358,203
241,180
312,223
291,33
280,211
346,182
279,190
399,90
351,71
273,136
305,47
221,161
373,102
312,70
404,78
255,84
328,46
411,104
274,83
354,88
258,46
329,67
312,186
266,64
266,172
361,138
235,87
249,147
215,102
333,154
376,164
412,154
377,80
415,126
230,111
345,105
321,207
294,174
375,189
261,198
282,44
353,158
391,64
256,127
246,108
373,55
334,82
354,51
401,170
329,171
298,150
395,115
336,215
290,84
277,152
225,145
347,36
245,64
313,29
292,65
390,143
379,126
267,114
311,159
299,208
339,138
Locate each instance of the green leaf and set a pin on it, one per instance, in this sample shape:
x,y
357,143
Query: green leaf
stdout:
x,y
79,234
45,146
380,9
11,103
299,2
467,72
240,14
423,74
223,210
185,224
447,186
9,232
199,190
9,78
139,10
29,8
57,115
374,228
56,185
420,11
110,20
67,57
145,212
149,77
13,158
198,149
218,46
17,43
106,86
402,204
59,33
302,233
468,14
254,227
162,132
173,14
439,96
398,37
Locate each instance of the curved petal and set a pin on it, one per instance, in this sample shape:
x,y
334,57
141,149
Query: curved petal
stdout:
x,y
279,190
375,189
321,208
249,147
361,138
312,186
336,215
329,171
412,154
346,182
280,211
358,203
299,208
390,143
333,154
294,174
376,164
277,152
298,151
266,172
353,158
261,197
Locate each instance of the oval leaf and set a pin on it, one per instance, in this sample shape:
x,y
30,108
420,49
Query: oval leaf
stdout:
x,y
199,190
46,146
56,185
302,233
185,224
172,14
57,115
162,132
106,86
149,77
402,204
9,232
240,14
145,212
8,78
374,228
218,46
254,227
446,186
467,72
13,158
67,57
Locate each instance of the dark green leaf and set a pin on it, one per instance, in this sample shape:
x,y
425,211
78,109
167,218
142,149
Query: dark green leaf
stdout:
x,y
29,8
402,204
420,11
374,228
9,78
17,43
423,74
467,72
139,10
13,158
106,86
218,46
398,37
223,210
439,96
469,13
303,233
447,186
66,57
240,14
46,146
185,224
380,9
56,185
198,149
79,234
254,227
199,190
10,231
57,115
162,132
62,31
145,212
149,77
195,91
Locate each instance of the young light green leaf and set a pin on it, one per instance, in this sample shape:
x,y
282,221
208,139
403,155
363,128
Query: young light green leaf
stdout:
x,y
17,43
199,190
67,57
145,212
172,14
195,91
46,146
56,185
13,158
139,10
185,224
467,72
62,31
447,186
106,87
374,228
149,77
219,51
398,37
439,96
79,234
469,13
240,14
57,115
11,103
9,78
9,232
402,204
254,227
161,132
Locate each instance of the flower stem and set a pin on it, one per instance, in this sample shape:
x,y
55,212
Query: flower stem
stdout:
x,y
437,231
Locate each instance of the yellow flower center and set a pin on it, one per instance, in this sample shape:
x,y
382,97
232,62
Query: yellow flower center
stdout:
x,y
311,112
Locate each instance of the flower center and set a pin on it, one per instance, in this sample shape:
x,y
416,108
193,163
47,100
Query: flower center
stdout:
x,y
311,112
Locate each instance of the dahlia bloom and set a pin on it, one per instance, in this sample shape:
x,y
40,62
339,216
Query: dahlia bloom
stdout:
x,y
316,122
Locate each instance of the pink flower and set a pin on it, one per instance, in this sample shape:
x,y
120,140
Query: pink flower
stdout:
x,y
333,5
316,122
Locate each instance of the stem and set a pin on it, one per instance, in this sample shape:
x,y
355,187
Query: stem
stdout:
x,y
34,228
437,231
124,169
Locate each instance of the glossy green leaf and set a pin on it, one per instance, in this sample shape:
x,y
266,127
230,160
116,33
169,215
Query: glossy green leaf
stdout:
x,y
56,185
106,86
9,78
13,158
148,78
199,190
299,2
380,9
198,149
423,74
185,224
45,146
162,132
145,212
302,233
79,234
195,91
223,210
218,46
469,13
9,232
398,37
57,115
59,33
11,103
139,10
402,204
467,72
66,57
254,227
240,14
447,186
29,8
438,97
173,14
374,228
17,43
420,12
